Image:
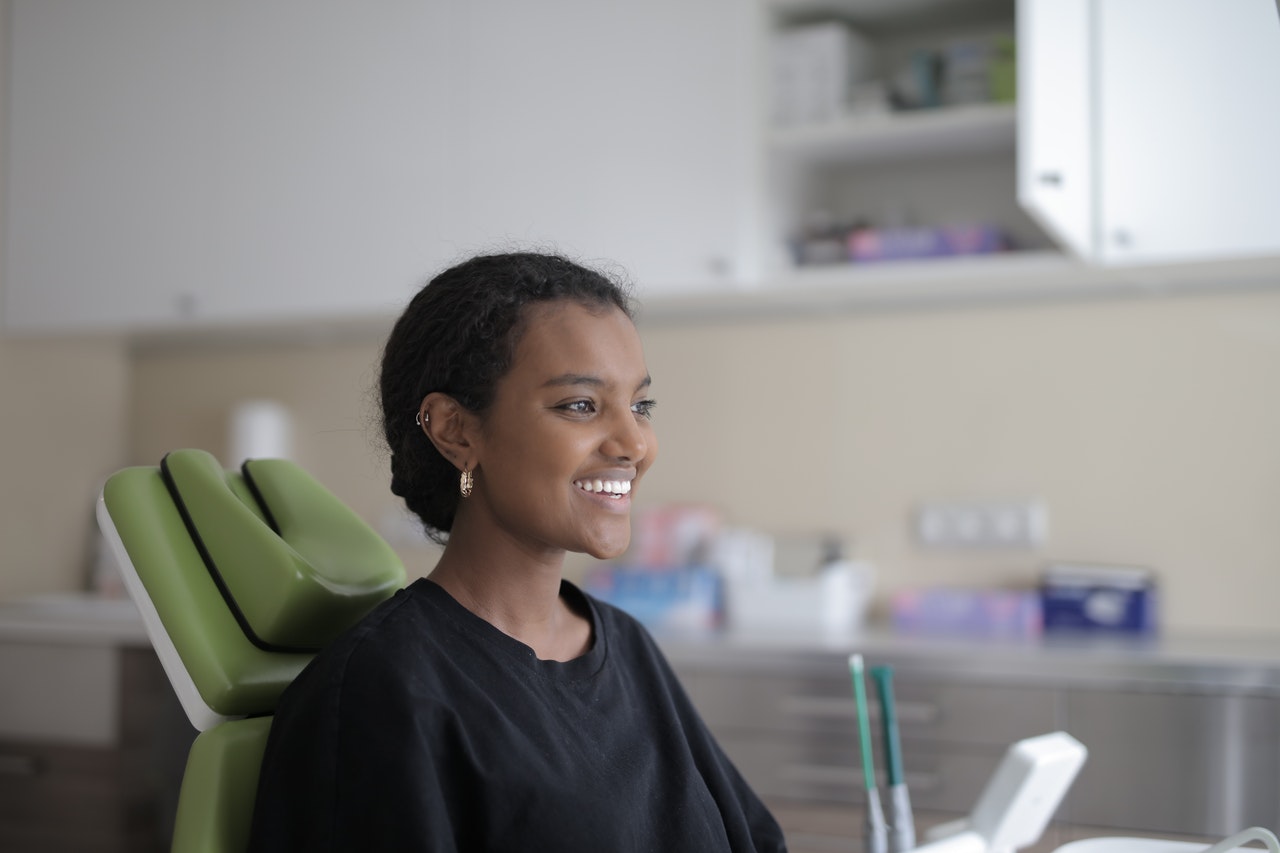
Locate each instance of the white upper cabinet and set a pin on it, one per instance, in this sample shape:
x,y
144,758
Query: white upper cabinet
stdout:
x,y
181,163
217,162
617,131
1148,129
209,161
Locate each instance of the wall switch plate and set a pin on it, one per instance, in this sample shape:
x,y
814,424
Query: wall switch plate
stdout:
x,y
982,524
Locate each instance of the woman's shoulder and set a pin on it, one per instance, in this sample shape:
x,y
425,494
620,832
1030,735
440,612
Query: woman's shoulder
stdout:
x,y
405,616
398,634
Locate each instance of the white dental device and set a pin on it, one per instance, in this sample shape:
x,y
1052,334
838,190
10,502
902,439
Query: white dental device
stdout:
x,y
1018,801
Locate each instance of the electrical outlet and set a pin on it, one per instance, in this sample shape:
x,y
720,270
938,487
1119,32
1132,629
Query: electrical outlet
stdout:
x,y
982,524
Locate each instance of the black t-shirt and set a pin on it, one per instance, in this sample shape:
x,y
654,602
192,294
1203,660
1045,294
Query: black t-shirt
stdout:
x,y
425,728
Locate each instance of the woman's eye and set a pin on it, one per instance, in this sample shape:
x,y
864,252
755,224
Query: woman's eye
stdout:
x,y
644,408
579,407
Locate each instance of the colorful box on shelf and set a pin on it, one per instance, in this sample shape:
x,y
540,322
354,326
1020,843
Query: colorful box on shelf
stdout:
x,y
895,244
679,599
1098,599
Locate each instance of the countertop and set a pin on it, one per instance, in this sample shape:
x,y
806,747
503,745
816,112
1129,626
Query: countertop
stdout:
x,y
72,618
1179,662
1175,662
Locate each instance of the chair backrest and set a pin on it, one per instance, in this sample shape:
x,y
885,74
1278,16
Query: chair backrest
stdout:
x,y
241,577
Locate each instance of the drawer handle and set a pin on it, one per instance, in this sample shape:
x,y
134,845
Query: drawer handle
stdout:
x,y
921,782
827,774
819,707
823,774
828,708
19,765
918,713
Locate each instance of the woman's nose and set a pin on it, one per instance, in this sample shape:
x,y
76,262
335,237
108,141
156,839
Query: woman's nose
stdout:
x,y
626,439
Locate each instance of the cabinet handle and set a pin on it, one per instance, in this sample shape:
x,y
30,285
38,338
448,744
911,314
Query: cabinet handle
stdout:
x,y
830,708
819,707
918,713
720,266
19,765
828,774
921,782
822,774
1052,179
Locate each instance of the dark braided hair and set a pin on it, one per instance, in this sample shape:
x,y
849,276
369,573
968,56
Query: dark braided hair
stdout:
x,y
458,336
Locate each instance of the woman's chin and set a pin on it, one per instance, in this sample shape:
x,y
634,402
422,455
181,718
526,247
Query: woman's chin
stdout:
x,y
610,549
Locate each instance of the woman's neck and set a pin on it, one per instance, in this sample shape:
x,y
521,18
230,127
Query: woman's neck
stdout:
x,y
517,593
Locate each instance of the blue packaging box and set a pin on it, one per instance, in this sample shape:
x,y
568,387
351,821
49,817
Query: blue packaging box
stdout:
x,y
675,600
1099,599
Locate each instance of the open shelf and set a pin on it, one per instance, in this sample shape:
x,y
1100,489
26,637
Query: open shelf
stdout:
x,y
881,16
942,132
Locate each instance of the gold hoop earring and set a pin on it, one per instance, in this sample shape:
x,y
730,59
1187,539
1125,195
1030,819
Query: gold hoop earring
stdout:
x,y
466,482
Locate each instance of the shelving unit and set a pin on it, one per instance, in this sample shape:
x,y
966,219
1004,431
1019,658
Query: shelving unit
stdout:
x,y
948,165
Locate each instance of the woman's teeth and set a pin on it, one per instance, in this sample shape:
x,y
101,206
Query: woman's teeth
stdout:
x,y
616,488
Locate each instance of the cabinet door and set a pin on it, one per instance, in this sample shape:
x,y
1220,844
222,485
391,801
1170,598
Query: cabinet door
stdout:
x,y
1176,763
1055,124
1147,128
1188,128
618,131
212,161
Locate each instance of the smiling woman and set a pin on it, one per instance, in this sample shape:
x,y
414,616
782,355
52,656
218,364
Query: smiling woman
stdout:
x,y
493,705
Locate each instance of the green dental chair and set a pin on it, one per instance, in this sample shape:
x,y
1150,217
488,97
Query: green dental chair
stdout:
x,y
241,577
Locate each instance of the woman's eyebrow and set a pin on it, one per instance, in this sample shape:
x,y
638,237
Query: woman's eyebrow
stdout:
x,y
574,379
588,379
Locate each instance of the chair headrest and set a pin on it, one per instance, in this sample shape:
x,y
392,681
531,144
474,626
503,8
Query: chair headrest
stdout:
x,y
296,565
240,576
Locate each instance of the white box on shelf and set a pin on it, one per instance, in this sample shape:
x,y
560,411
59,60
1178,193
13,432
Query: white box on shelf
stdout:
x,y
815,70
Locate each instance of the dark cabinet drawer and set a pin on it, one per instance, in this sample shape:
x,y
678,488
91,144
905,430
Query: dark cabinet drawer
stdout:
x,y
1185,763
59,798
1188,760
828,770
99,777
994,715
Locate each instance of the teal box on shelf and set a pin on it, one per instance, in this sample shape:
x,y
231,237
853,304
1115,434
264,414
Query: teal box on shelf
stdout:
x,y
1085,598
666,599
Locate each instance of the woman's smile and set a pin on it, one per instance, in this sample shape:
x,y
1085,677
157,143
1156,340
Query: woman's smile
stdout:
x,y
612,488
610,495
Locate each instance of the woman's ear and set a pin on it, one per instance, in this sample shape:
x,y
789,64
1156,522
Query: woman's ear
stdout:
x,y
451,427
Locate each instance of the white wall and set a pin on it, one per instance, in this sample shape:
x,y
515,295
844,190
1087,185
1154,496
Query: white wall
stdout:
x,y
62,430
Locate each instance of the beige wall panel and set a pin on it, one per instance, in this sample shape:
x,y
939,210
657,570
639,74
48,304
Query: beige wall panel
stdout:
x,y
1148,427
63,406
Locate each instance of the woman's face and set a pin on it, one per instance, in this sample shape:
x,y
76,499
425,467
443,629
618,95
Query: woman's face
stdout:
x,y
568,435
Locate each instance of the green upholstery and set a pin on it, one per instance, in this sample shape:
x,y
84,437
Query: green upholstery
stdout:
x,y
299,585
240,577
287,599
215,807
